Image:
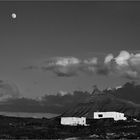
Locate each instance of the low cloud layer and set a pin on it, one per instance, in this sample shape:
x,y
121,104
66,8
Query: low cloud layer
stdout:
x,y
8,90
63,100
125,64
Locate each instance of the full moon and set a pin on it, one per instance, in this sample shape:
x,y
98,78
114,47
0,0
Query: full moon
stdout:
x,y
14,15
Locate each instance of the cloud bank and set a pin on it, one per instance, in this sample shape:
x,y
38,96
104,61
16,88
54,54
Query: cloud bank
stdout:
x,y
125,64
63,100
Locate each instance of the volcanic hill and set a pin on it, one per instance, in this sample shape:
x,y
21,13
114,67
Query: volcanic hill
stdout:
x,y
103,102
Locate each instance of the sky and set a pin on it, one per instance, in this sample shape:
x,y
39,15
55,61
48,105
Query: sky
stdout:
x,y
66,46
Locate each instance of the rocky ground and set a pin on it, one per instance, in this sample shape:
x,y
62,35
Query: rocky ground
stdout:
x,y
29,128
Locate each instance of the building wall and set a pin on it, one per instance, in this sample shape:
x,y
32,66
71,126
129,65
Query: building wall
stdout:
x,y
73,121
116,115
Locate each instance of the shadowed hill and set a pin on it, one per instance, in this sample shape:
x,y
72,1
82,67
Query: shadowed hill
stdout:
x,y
129,91
103,102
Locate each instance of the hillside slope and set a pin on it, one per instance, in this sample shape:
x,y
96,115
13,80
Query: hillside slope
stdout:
x,y
103,103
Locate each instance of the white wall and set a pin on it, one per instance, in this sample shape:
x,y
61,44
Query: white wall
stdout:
x,y
116,115
73,121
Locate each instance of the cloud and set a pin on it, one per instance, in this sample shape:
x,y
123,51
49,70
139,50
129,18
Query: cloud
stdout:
x,y
125,64
89,66
103,70
108,58
62,61
134,62
122,58
62,66
8,90
91,61
67,66
131,75
62,93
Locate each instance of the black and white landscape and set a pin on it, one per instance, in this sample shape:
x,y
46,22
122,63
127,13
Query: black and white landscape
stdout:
x,y
69,69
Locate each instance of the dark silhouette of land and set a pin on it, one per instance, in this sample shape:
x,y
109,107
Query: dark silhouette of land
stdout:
x,y
29,128
80,104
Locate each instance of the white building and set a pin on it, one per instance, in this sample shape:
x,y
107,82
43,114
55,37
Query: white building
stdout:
x,y
73,121
115,115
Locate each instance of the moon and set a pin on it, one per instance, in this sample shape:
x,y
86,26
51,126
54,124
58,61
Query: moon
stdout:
x,y
14,15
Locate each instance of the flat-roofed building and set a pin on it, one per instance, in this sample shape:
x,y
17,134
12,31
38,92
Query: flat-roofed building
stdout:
x,y
115,115
73,121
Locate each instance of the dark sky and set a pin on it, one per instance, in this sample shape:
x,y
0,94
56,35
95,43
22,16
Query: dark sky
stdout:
x,y
43,30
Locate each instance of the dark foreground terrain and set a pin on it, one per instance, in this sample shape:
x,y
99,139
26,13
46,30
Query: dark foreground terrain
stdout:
x,y
30,128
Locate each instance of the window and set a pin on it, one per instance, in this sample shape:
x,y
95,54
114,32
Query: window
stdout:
x,y
100,115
